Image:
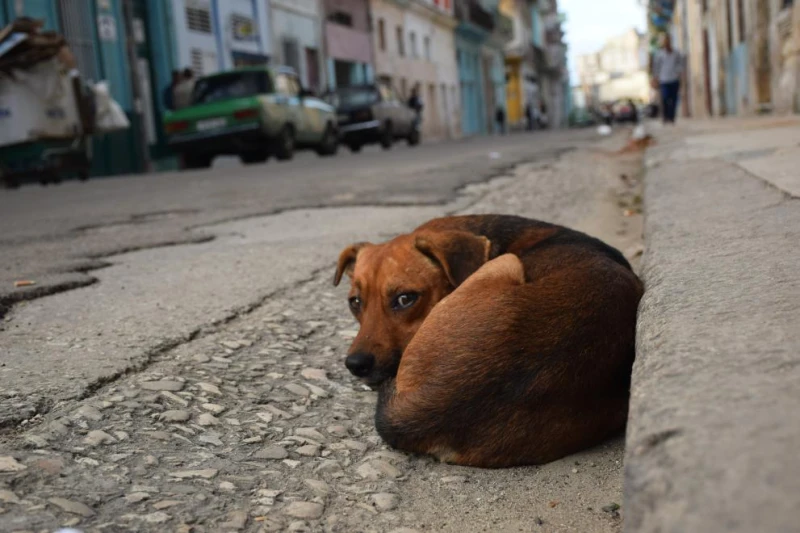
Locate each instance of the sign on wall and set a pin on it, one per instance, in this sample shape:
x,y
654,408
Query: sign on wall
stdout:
x,y
107,28
244,28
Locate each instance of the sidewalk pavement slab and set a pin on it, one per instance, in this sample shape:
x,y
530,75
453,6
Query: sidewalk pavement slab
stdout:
x,y
714,427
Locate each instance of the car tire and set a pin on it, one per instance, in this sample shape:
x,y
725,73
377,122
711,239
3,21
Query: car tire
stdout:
x,y
195,161
387,137
414,137
355,148
284,144
254,157
330,142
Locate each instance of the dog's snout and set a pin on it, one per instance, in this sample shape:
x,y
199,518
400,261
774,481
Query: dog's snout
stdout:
x,y
360,364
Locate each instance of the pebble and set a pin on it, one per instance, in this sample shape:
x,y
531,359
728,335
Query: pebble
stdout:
x,y
237,520
189,474
6,496
209,388
374,470
213,407
90,413
175,415
356,445
310,433
294,388
384,501
227,486
271,452
162,385
307,510
9,464
166,504
317,486
314,373
175,398
337,431
201,358
97,437
348,333
136,497
309,450
207,419
72,507
210,439
454,479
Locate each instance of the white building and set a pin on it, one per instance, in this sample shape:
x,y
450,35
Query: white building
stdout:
x,y
297,39
214,35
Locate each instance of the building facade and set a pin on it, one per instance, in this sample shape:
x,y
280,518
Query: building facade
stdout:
x,y
743,56
522,89
414,46
348,42
618,70
297,40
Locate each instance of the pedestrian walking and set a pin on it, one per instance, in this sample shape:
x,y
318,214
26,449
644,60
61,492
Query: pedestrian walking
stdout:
x,y
415,103
500,118
667,72
184,89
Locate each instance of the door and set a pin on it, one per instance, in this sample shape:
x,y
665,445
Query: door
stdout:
x,y
312,65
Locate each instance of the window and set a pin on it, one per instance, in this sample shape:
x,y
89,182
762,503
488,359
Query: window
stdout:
x,y
228,86
291,54
286,84
203,61
340,17
401,49
427,46
198,18
382,35
412,39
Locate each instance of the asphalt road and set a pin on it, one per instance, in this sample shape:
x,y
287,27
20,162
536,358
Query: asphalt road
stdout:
x,y
125,242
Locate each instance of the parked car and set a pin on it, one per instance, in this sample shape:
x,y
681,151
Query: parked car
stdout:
x,y
373,113
252,112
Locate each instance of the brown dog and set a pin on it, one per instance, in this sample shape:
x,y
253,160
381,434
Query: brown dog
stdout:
x,y
527,361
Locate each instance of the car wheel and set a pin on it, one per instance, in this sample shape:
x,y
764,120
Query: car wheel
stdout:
x,y
414,137
284,144
330,142
194,161
355,148
387,137
254,156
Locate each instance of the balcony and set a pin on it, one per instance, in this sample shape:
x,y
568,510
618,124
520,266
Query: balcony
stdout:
x,y
505,27
473,12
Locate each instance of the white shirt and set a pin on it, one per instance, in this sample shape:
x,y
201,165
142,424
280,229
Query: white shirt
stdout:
x,y
667,66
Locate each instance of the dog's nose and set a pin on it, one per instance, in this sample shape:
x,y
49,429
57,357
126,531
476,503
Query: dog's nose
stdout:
x,y
360,364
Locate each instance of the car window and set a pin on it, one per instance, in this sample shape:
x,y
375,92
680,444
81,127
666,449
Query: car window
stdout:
x,y
287,85
353,97
231,85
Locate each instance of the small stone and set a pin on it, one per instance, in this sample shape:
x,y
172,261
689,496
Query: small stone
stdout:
x,y
317,391
294,388
317,486
454,479
153,518
213,408
175,415
97,437
310,433
265,417
201,358
309,450
314,373
210,439
374,470
9,464
174,398
227,486
136,497
6,496
209,388
348,333
160,435
355,445
164,384
291,463
574,470
90,413
384,501
72,507
233,345
189,474
307,510
611,508
237,520
271,452
51,465
165,504
337,431
37,441
207,419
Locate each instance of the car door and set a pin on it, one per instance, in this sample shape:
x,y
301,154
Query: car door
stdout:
x,y
403,117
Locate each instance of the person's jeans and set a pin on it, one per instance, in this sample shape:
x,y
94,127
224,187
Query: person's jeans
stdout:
x,y
669,100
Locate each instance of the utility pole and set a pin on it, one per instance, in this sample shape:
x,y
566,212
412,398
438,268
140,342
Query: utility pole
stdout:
x,y
142,149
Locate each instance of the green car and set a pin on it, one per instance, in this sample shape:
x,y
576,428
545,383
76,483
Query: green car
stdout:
x,y
251,112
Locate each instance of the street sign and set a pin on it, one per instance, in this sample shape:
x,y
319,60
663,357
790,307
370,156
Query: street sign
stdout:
x,y
107,28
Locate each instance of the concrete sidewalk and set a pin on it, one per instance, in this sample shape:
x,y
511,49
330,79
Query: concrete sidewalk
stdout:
x,y
713,439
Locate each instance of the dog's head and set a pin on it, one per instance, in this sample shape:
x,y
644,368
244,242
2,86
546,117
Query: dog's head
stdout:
x,y
395,285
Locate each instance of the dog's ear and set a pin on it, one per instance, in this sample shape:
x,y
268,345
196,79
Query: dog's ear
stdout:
x,y
347,260
457,253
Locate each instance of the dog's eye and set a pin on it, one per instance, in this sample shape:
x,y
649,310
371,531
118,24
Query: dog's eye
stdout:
x,y
355,304
405,300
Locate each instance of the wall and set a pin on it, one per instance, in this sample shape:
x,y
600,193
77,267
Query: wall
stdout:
x,y
298,20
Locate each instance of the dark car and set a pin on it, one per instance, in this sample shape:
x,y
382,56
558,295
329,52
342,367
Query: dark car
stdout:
x,y
373,114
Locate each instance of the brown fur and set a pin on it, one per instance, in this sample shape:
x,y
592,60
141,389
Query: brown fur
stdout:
x,y
527,360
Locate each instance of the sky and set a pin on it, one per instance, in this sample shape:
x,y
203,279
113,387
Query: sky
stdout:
x,y
591,22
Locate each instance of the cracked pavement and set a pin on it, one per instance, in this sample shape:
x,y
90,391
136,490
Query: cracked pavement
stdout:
x,y
200,386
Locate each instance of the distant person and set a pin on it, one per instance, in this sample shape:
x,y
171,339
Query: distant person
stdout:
x,y
184,89
542,119
529,117
168,95
415,103
500,118
667,72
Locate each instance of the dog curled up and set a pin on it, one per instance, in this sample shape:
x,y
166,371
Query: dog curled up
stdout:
x,y
493,341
